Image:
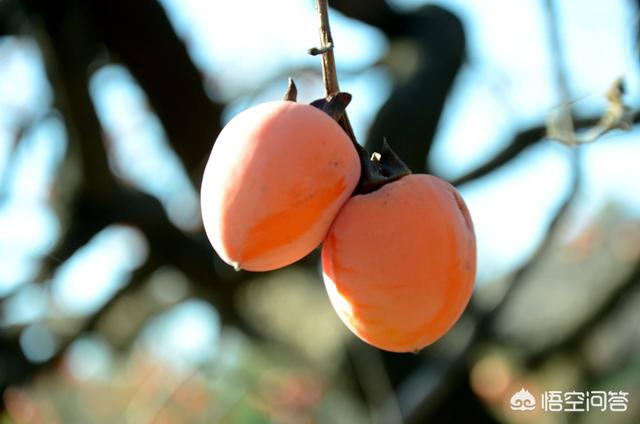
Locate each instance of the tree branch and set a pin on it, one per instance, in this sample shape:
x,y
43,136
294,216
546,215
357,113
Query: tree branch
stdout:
x,y
520,143
598,314
140,34
484,328
410,116
376,13
69,46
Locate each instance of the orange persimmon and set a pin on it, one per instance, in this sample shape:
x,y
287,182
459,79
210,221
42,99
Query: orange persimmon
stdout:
x,y
399,263
277,176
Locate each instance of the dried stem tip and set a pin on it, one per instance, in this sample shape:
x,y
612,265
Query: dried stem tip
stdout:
x,y
292,91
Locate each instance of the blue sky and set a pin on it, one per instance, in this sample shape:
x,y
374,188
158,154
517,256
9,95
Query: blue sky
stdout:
x,y
508,84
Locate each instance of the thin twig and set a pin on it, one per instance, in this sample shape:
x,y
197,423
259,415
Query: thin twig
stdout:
x,y
565,121
329,73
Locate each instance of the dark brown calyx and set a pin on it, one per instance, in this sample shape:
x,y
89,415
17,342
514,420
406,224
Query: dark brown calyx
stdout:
x,y
379,168
333,105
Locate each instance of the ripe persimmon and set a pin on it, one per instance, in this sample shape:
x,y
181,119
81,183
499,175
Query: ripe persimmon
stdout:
x,y
399,263
277,175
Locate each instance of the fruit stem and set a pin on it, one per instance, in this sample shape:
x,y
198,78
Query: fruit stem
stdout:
x,y
329,74
382,168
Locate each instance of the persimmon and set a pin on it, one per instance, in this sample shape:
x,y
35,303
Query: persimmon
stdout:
x,y
277,175
399,263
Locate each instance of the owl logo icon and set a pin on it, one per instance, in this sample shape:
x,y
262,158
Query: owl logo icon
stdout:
x,y
523,401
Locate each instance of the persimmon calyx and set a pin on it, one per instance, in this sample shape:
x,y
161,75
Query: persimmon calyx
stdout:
x,y
380,169
334,105
376,170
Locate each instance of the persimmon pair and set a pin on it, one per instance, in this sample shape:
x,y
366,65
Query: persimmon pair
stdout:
x,y
398,263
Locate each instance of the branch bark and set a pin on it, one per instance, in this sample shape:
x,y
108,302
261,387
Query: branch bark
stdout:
x,y
329,74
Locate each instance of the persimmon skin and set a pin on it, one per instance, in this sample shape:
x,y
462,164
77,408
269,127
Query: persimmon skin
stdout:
x,y
399,263
277,175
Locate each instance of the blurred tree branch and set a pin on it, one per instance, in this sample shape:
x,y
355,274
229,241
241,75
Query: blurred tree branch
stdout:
x,y
454,373
102,200
376,13
17,137
144,40
567,123
520,142
573,340
410,116
15,367
70,35
9,17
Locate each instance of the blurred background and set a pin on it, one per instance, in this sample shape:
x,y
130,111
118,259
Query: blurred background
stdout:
x,y
115,309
